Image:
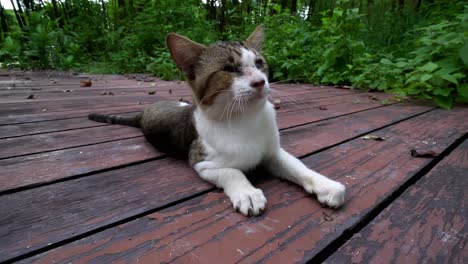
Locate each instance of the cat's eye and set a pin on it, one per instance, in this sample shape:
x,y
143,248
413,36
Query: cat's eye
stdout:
x,y
259,63
231,68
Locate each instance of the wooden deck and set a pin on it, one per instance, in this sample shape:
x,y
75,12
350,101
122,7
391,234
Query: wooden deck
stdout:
x,y
77,191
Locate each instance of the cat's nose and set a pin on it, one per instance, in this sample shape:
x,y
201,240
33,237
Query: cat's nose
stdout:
x,y
258,84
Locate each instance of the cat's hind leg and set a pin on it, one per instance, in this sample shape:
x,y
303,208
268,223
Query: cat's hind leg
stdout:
x,y
244,197
284,165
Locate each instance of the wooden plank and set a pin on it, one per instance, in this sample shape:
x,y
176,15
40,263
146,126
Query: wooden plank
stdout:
x,y
74,104
66,163
427,224
70,102
335,107
29,118
31,144
106,196
293,228
19,130
12,147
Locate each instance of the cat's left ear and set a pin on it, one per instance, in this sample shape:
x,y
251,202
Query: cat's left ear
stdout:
x,y
255,40
185,53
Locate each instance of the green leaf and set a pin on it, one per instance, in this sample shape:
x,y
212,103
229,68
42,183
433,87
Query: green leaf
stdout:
x,y
401,64
429,67
464,53
386,61
461,99
425,77
449,78
277,75
443,101
442,91
463,90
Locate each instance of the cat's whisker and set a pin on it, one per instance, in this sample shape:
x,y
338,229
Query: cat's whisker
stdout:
x,y
215,92
226,107
299,104
289,80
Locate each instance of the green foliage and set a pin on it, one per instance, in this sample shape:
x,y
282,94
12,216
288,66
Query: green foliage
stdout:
x,y
382,44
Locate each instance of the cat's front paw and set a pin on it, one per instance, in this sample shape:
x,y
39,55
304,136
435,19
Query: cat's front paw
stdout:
x,y
248,201
329,192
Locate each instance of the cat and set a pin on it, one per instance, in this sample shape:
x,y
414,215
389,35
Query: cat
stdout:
x,y
231,126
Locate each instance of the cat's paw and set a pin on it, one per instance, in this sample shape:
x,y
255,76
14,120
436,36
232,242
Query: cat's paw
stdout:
x,y
248,201
329,192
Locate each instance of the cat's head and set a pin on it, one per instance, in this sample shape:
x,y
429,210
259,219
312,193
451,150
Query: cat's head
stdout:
x,y
225,76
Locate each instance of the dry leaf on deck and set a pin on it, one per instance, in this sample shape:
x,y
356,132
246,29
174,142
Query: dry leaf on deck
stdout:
x,y
184,101
277,103
86,83
323,107
423,154
372,137
31,96
151,92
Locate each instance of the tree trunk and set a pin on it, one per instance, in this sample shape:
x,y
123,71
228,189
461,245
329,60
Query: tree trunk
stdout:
x,y
3,18
293,6
222,19
417,4
17,15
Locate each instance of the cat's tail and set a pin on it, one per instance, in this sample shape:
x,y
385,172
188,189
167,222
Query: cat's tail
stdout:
x,y
133,120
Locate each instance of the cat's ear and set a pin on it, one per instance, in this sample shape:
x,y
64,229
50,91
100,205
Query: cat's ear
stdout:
x,y
185,53
255,40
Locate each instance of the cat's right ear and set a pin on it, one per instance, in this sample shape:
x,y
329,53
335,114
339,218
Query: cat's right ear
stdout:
x,y
185,53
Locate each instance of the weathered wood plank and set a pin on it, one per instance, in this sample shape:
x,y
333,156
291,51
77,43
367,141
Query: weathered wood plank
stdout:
x,y
70,102
66,163
335,107
74,104
12,147
163,89
33,118
427,224
25,129
294,227
73,138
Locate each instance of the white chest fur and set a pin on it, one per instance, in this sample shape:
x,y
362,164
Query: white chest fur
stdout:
x,y
242,142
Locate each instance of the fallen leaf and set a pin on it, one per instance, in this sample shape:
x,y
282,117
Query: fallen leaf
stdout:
x,y
170,91
153,84
184,101
139,83
66,91
323,107
45,109
36,89
356,101
31,96
86,83
327,217
110,93
277,103
122,93
53,81
373,137
423,154
151,92
104,93
372,97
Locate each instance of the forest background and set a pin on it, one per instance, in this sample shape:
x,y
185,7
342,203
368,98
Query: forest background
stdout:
x,y
410,47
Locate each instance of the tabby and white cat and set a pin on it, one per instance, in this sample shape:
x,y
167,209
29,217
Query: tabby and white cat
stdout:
x,y
231,127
